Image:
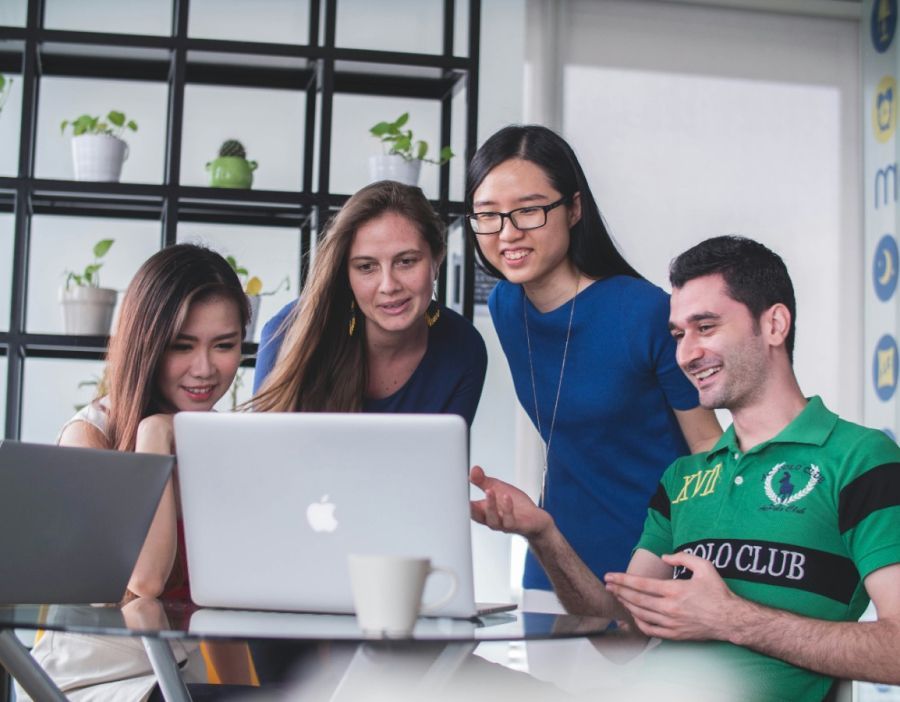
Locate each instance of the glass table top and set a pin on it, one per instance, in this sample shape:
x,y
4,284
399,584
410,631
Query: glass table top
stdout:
x,y
172,620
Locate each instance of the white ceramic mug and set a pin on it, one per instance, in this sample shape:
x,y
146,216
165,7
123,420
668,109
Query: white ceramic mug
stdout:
x,y
387,592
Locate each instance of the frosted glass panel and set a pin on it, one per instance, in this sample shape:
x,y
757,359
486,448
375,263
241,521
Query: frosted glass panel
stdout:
x,y
269,123
10,125
7,234
277,21
67,98
59,244
270,253
13,13
351,143
52,394
132,17
391,25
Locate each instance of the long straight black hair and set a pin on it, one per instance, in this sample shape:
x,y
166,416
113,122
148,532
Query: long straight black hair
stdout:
x,y
591,248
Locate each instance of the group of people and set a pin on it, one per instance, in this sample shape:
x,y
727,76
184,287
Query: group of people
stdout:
x,y
771,537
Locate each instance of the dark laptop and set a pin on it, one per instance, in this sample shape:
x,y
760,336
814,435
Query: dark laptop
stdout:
x,y
73,520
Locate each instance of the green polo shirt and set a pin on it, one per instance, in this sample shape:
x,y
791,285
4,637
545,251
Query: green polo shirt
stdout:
x,y
795,523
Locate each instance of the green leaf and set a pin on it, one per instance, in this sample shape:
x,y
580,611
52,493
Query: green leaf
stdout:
x,y
380,129
2,81
446,155
240,270
101,247
232,261
62,127
421,150
402,145
401,120
132,125
117,118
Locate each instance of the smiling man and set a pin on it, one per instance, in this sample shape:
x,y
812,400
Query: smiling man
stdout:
x,y
777,538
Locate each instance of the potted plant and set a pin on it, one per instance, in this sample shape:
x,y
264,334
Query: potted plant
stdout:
x,y
87,308
404,153
253,287
5,87
231,169
98,149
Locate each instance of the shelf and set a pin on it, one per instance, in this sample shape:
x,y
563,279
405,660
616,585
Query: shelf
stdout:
x,y
86,199
252,207
314,74
79,347
7,202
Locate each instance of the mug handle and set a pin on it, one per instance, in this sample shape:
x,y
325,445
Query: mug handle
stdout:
x,y
432,606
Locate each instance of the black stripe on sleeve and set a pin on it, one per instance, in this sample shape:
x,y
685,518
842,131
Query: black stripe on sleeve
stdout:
x,y
873,490
660,502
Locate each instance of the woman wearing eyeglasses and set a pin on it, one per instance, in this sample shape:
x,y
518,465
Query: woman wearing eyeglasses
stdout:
x,y
587,341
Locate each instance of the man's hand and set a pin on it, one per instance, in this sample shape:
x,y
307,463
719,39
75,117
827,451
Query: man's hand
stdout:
x,y
506,508
699,608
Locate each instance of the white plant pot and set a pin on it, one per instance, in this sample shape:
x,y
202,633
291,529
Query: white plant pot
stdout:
x,y
87,311
250,329
393,167
98,157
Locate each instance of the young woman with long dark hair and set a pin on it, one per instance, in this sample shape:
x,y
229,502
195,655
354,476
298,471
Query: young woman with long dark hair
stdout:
x,y
587,342
176,347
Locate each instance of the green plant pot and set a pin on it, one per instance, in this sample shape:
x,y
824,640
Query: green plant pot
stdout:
x,y
231,172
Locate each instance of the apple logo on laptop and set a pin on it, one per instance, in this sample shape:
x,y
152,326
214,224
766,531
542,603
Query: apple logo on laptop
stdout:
x,y
320,515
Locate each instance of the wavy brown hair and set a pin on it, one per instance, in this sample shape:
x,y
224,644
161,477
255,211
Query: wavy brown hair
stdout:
x,y
320,367
154,308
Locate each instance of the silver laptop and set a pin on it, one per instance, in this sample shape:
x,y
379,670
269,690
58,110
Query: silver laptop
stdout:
x,y
73,520
273,504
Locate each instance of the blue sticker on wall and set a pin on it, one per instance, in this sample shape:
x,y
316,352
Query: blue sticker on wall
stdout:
x,y
884,23
885,268
884,367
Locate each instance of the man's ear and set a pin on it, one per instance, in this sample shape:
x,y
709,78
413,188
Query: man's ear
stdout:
x,y
575,210
776,324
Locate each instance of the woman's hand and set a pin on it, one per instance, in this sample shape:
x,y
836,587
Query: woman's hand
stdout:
x,y
156,434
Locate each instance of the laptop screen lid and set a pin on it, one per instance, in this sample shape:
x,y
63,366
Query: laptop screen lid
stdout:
x,y
274,502
73,520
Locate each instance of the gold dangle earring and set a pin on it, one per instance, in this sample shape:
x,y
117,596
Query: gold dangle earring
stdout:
x,y
433,313
352,326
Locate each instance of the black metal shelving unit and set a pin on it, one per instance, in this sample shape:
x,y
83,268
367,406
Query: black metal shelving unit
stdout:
x,y
317,67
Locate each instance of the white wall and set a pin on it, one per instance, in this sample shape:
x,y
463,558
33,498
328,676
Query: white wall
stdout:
x,y
696,121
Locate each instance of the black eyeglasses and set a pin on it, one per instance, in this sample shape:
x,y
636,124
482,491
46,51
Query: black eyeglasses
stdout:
x,y
522,218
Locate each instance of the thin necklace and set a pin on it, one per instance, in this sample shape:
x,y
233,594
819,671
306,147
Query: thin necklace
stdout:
x,y
562,370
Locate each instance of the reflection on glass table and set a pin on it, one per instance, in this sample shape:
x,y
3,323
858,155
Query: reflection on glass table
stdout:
x,y
426,660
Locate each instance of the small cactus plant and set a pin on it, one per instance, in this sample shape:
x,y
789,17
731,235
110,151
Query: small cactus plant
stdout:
x,y
231,169
232,147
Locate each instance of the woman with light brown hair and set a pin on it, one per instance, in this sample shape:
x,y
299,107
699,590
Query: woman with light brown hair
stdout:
x,y
366,335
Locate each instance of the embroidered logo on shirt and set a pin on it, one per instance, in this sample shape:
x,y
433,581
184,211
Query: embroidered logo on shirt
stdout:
x,y
701,483
784,487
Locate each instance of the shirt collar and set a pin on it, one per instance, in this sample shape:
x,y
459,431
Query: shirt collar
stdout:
x,y
812,426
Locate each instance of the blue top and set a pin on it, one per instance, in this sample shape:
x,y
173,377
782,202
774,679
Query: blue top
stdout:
x,y
615,432
448,379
